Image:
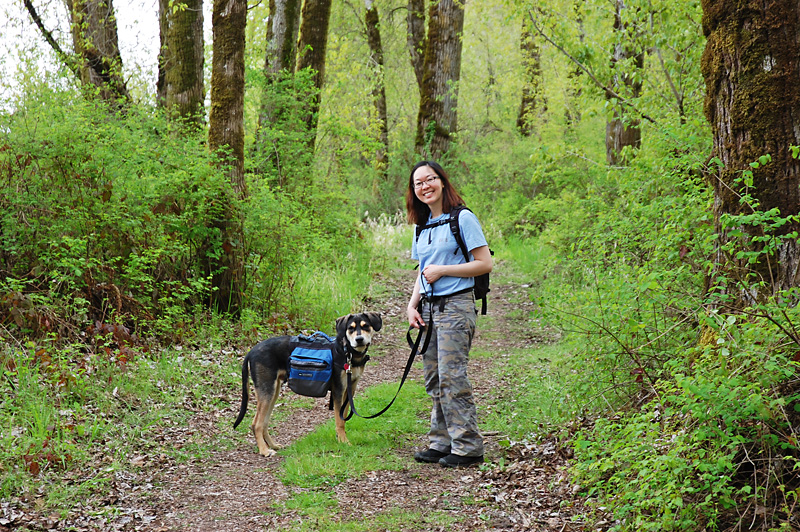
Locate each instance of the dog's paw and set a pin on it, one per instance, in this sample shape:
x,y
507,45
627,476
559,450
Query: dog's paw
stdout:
x,y
268,452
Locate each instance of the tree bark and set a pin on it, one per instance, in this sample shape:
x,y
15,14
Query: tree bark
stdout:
x,y
623,130
312,43
372,23
751,65
416,37
94,36
66,58
280,55
533,102
572,111
180,86
226,137
437,119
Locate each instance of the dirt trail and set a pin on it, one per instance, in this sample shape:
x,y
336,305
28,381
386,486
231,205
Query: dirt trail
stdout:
x,y
236,490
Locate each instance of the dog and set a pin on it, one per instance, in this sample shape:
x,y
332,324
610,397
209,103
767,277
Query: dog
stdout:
x,y
268,361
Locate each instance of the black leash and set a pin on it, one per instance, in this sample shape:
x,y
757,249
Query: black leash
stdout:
x,y
414,351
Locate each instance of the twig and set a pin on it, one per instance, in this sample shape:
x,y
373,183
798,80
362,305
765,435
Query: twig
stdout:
x,y
608,90
66,58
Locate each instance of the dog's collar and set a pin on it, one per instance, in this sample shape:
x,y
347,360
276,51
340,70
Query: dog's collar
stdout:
x,y
352,357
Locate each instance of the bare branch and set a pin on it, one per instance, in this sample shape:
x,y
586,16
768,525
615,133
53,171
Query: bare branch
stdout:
x,y
66,58
608,90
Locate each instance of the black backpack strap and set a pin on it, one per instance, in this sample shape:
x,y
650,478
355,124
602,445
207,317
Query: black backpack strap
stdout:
x,y
421,228
456,230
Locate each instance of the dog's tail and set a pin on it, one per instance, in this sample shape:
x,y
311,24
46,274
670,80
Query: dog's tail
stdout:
x,y
245,378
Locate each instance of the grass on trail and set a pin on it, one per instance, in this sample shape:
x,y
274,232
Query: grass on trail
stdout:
x,y
319,460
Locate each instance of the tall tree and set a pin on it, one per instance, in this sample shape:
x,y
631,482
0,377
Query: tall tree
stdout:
x,y
372,24
623,130
572,112
312,43
94,36
226,137
280,54
533,102
437,118
180,86
415,21
751,65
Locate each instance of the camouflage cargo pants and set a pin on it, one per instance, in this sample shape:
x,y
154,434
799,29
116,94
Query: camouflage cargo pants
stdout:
x,y
454,420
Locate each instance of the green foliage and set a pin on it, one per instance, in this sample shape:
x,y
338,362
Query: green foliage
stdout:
x,y
116,238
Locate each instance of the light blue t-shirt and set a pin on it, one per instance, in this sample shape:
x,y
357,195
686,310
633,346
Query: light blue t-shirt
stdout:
x,y
437,245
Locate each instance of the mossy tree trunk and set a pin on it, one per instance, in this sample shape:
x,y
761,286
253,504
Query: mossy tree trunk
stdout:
x,y
372,24
751,66
312,43
437,118
94,36
533,102
623,130
180,86
280,54
572,109
226,138
415,20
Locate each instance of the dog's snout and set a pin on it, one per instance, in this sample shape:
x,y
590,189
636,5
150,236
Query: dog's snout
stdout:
x,y
360,340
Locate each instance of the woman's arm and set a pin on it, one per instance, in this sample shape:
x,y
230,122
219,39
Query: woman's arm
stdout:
x,y
414,317
482,264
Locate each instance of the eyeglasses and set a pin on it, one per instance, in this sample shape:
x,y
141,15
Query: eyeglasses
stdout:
x,y
427,181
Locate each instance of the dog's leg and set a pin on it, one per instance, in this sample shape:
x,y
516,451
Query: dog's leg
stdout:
x,y
267,437
340,433
266,401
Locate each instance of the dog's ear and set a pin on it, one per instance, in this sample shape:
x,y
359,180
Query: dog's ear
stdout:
x,y
341,325
375,320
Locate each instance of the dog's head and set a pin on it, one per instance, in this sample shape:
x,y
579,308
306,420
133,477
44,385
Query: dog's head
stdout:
x,y
356,330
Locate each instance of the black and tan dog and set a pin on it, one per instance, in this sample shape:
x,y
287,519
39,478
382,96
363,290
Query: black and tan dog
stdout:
x,y
268,361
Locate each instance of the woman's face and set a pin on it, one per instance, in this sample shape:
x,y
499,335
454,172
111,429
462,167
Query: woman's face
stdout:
x,y
428,187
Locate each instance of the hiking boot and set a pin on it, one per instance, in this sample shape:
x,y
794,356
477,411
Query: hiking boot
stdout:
x,y
456,460
431,456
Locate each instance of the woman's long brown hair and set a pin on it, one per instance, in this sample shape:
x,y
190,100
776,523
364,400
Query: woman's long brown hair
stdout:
x,y
417,212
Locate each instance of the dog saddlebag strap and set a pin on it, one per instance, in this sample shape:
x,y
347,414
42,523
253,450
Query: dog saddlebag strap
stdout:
x,y
414,351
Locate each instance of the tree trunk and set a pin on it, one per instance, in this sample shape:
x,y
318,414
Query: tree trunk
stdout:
x,y
180,85
372,23
572,110
533,103
94,35
751,65
416,37
311,46
226,137
437,119
280,55
623,131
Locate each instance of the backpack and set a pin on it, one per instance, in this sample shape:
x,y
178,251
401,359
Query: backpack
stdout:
x,y
311,364
482,281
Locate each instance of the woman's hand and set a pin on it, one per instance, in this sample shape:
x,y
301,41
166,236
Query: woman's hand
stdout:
x,y
414,318
433,273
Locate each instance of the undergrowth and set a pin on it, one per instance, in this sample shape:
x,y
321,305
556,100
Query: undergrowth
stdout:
x,y
696,409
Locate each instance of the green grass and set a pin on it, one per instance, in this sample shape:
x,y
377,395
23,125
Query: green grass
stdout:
x,y
393,520
319,460
532,393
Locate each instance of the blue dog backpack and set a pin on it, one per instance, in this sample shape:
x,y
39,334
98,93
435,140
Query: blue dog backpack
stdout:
x,y
311,364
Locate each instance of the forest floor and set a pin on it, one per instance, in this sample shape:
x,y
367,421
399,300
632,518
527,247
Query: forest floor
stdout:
x,y
521,487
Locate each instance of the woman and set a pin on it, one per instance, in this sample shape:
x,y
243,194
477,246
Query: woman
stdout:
x,y
443,300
